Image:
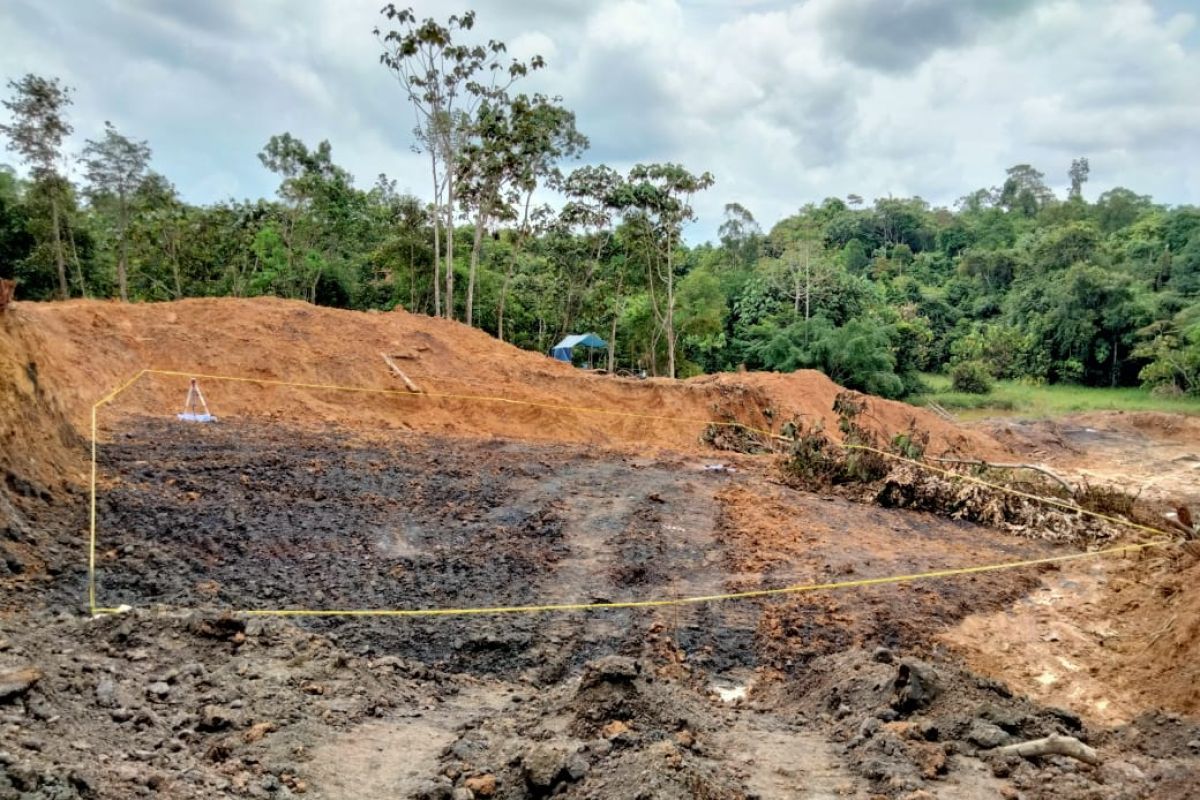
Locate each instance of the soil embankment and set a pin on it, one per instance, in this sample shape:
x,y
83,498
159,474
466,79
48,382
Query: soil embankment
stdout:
x,y
82,349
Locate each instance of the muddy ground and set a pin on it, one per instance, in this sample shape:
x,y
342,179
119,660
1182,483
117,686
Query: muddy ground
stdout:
x,y
837,694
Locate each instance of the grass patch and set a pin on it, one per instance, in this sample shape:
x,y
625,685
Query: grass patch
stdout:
x,y
1012,398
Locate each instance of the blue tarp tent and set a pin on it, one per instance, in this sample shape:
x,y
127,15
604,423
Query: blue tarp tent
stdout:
x,y
562,350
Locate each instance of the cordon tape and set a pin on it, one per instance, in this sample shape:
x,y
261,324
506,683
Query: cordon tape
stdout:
x,y
628,604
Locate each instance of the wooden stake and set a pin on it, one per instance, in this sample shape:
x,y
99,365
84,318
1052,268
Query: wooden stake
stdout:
x,y
408,384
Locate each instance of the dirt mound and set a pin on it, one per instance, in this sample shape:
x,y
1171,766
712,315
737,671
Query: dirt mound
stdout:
x,y
82,349
1111,639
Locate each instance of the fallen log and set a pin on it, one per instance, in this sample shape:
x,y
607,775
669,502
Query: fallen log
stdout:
x,y
408,384
1052,745
1033,467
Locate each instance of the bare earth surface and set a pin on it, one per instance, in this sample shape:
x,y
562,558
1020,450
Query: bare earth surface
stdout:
x,y
297,500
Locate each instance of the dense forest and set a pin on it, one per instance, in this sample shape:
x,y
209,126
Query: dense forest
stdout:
x,y
1012,282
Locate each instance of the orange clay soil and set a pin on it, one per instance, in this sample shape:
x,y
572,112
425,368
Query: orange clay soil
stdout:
x,y
84,348
1106,638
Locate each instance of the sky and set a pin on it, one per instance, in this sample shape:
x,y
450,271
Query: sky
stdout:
x,y
784,103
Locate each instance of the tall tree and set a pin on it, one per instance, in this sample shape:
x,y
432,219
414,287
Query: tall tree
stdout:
x,y
516,146
321,205
1078,173
593,193
445,81
39,125
1025,190
661,195
116,167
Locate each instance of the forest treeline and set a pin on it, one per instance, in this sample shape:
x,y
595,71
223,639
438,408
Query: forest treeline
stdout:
x,y
1012,282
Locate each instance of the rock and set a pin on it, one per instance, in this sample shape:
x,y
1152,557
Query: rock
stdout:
x,y
917,685
614,729
543,765
882,655
481,785
16,682
610,669
257,731
225,627
462,793
158,690
1194,744
106,693
215,718
576,767
986,735
1007,719
600,747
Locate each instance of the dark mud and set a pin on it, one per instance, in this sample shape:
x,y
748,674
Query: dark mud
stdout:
x,y
844,693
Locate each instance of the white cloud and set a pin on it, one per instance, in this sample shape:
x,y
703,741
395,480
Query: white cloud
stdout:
x,y
784,103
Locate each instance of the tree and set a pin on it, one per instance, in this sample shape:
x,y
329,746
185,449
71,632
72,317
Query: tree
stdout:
x,y
322,213
38,127
660,196
740,234
115,168
516,145
1078,173
1024,190
442,80
593,194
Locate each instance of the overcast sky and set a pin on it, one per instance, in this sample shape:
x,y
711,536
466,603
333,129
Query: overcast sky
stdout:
x,y
785,103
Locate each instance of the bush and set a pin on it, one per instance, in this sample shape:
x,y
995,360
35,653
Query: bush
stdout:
x,y
971,377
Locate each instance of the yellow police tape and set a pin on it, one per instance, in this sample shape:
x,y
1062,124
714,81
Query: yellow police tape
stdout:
x,y
658,603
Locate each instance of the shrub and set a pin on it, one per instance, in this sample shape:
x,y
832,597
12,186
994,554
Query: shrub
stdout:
x,y
971,377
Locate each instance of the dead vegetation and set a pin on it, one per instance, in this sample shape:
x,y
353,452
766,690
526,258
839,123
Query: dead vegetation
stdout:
x,y
1016,498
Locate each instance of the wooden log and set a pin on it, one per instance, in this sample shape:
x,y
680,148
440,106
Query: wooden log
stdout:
x,y
408,384
1033,467
1052,745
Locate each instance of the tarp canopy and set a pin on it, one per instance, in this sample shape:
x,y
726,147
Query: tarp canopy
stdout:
x,y
562,350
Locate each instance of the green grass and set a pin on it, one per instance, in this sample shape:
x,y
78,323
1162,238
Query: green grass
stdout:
x,y
1011,398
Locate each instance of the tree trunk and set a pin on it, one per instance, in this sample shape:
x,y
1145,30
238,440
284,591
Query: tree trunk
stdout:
x,y
807,286
437,240
78,264
174,250
123,256
476,245
60,260
1115,368
512,261
612,337
612,347
670,315
449,241
503,297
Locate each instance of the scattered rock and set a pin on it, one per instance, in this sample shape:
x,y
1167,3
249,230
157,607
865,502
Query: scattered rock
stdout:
x,y
916,686
215,718
16,682
614,729
610,669
481,785
543,765
986,735
257,731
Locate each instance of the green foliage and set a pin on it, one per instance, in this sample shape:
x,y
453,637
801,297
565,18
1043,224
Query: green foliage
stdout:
x,y
971,377
1012,284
